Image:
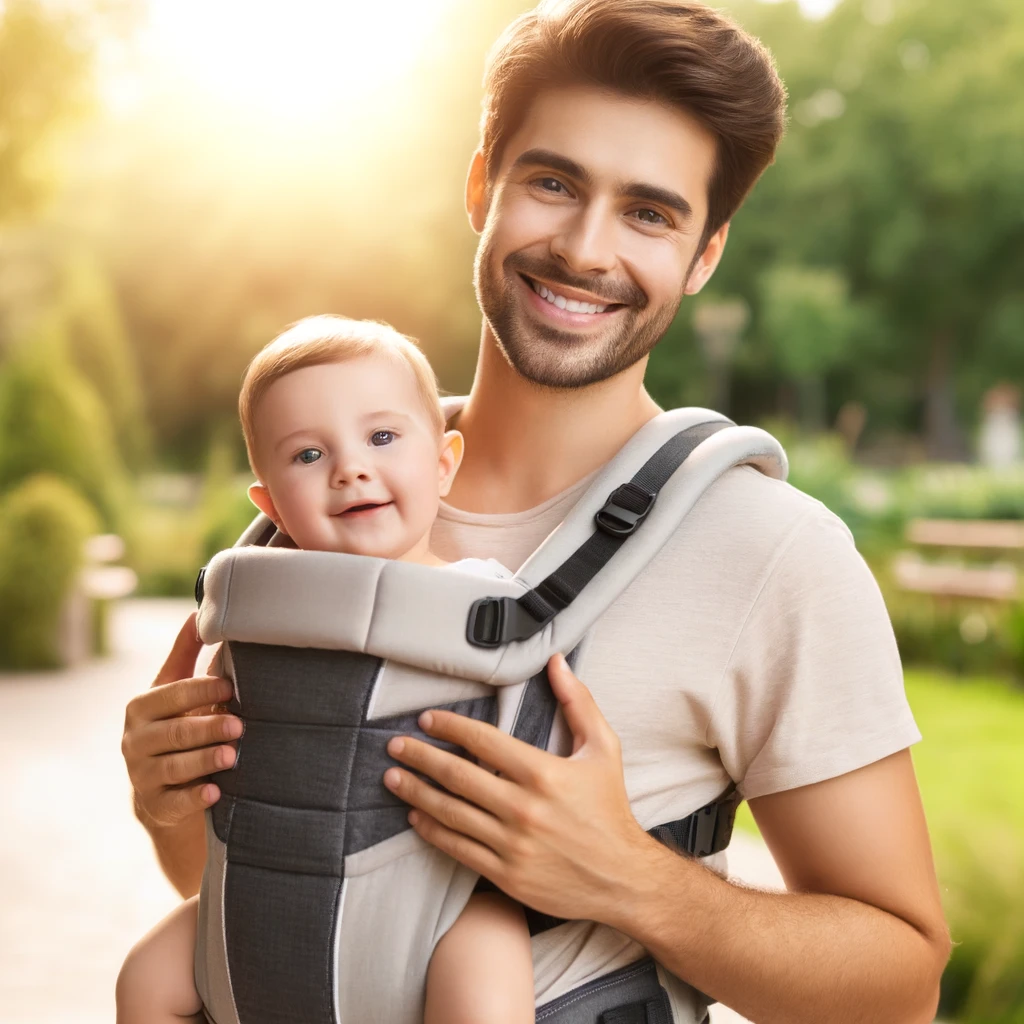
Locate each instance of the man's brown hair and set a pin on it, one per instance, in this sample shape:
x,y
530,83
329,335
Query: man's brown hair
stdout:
x,y
683,54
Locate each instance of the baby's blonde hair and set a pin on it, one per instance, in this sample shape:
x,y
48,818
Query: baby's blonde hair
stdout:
x,y
317,340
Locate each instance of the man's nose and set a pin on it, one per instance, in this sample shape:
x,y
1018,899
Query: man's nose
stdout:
x,y
586,243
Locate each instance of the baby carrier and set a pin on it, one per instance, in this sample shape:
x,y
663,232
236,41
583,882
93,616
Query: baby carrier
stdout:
x,y
319,904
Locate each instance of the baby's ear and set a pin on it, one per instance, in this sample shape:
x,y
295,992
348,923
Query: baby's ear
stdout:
x,y
452,448
260,497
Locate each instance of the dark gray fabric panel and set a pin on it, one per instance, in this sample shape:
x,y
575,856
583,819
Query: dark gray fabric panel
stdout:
x,y
374,813
302,684
283,838
280,936
293,765
636,983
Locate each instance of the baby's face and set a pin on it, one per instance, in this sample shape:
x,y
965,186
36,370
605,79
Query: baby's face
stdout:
x,y
350,459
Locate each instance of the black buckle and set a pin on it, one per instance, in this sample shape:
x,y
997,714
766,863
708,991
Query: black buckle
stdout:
x,y
626,508
494,621
200,580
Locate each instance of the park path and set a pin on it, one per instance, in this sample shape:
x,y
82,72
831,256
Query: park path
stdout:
x,y
78,880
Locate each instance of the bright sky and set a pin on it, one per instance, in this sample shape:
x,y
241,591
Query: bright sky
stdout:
x,y
294,60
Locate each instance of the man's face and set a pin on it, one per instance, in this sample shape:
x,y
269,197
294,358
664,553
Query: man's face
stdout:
x,y
595,213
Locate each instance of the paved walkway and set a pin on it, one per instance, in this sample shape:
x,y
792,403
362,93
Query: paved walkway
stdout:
x,y
78,880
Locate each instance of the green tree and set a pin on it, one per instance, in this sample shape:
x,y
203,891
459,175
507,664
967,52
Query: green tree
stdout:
x,y
44,523
51,421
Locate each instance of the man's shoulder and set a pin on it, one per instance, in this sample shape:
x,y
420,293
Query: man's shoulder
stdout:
x,y
756,515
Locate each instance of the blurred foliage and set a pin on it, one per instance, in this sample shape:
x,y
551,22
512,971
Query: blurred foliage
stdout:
x,y
971,772
44,523
51,421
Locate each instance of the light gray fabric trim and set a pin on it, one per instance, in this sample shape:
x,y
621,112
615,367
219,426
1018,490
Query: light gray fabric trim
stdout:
x,y
417,615
213,978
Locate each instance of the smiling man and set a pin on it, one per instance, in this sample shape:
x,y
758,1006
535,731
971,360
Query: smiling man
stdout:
x,y
619,138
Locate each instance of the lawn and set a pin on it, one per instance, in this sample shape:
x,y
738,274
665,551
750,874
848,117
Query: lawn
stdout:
x,y
971,771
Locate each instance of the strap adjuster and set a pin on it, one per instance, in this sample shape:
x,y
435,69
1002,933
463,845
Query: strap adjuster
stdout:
x,y
626,508
494,621
200,588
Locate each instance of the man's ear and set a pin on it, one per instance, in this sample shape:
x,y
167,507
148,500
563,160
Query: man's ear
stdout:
x,y
452,449
476,192
260,497
708,261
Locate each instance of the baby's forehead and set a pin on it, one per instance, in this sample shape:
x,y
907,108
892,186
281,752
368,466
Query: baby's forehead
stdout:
x,y
363,387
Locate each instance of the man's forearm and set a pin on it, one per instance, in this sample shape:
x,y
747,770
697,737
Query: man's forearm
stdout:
x,y
781,957
180,849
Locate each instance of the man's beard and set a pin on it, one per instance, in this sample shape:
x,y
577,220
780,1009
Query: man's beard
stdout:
x,y
566,359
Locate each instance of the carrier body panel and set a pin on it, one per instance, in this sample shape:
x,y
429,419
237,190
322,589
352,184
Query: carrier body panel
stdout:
x,y
319,903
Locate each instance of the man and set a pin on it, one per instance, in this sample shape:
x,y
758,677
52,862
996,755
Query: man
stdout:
x,y
618,140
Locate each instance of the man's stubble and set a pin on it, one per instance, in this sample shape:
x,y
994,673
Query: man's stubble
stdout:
x,y
553,358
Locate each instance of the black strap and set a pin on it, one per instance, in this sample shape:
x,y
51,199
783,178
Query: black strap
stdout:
x,y
494,621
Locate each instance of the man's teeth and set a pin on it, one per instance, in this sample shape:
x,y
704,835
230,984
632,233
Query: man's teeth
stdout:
x,y
570,305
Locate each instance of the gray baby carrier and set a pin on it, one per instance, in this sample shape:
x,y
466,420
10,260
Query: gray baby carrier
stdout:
x,y
319,904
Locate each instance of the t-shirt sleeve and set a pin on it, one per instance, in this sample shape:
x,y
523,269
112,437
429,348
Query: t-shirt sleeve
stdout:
x,y
814,687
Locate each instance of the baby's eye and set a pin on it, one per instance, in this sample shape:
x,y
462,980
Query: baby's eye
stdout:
x,y
379,438
308,456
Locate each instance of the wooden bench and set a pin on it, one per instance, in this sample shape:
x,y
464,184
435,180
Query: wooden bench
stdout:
x,y
999,581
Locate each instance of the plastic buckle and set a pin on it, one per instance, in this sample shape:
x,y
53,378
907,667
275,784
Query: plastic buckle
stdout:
x,y
200,589
616,518
494,621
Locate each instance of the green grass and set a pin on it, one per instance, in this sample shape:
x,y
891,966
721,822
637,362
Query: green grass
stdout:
x,y
970,767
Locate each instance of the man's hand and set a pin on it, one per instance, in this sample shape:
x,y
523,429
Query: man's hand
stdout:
x,y
555,833
174,736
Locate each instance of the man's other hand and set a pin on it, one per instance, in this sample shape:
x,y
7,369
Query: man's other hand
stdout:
x,y
175,736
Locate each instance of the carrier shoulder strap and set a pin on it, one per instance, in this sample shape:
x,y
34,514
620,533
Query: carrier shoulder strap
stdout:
x,y
494,621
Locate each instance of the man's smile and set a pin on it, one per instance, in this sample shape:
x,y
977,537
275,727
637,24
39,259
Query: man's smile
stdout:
x,y
568,307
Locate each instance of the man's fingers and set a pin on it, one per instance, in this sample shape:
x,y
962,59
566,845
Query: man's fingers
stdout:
x,y
181,662
513,758
175,735
176,805
474,855
454,814
172,699
173,770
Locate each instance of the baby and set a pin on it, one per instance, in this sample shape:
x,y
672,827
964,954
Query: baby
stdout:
x,y
347,439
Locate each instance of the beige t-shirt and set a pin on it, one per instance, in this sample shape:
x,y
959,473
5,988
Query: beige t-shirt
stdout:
x,y
755,648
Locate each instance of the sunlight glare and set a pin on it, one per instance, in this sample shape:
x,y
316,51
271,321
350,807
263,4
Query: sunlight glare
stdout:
x,y
294,61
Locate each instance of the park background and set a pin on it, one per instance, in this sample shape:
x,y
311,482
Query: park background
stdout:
x,y
179,180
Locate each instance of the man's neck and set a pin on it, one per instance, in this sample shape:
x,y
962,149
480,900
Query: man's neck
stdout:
x,y
526,443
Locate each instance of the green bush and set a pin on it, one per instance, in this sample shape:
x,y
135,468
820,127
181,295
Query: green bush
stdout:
x,y
44,523
51,421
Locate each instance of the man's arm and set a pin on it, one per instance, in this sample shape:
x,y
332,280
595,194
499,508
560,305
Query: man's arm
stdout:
x,y
861,940
860,936
170,747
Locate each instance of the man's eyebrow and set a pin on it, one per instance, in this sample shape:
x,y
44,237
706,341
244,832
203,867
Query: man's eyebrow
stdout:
x,y
645,193
639,190
557,162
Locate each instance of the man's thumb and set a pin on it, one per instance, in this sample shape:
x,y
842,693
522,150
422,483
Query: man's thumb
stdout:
x,y
581,712
181,662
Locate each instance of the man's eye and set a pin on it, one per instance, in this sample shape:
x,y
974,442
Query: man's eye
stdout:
x,y
551,185
379,438
650,217
308,456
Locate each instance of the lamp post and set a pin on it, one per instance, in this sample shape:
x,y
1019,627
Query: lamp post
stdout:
x,y
719,326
